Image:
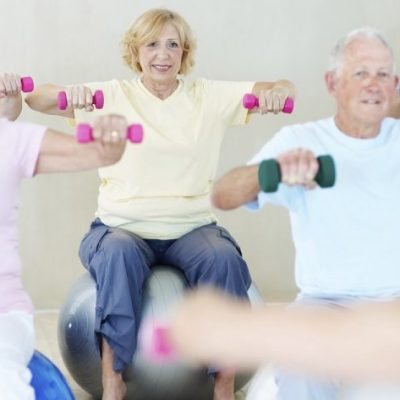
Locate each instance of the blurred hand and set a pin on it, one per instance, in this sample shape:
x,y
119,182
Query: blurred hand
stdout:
x,y
202,323
298,167
10,84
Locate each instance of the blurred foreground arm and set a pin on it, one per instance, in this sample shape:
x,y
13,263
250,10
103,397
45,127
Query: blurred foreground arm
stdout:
x,y
354,344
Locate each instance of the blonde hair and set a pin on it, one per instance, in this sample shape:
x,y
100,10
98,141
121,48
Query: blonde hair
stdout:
x,y
147,28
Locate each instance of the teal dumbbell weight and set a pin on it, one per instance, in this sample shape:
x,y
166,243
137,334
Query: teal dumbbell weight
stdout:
x,y
269,174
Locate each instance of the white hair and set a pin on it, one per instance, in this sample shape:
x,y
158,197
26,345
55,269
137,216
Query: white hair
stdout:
x,y
337,54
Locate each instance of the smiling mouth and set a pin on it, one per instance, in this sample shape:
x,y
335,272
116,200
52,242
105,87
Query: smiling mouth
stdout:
x,y
371,102
161,68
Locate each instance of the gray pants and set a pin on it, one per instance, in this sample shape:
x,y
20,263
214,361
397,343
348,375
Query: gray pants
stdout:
x,y
120,262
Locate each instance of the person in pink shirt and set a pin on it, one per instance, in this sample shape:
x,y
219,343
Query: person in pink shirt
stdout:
x,y
27,150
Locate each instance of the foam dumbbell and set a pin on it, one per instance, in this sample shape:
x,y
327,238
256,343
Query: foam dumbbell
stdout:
x,y
84,133
250,101
97,100
269,174
27,84
155,344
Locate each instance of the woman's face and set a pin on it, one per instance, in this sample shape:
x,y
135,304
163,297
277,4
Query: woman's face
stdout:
x,y
161,59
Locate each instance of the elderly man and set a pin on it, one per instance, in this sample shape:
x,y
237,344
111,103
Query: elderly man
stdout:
x,y
346,237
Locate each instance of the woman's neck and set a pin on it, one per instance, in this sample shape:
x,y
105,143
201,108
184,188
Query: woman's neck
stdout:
x,y
160,90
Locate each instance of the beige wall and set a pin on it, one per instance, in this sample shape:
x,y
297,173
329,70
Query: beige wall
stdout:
x,y
77,41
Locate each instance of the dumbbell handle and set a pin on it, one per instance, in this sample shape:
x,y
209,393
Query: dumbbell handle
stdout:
x,y
84,133
269,174
97,100
250,101
27,84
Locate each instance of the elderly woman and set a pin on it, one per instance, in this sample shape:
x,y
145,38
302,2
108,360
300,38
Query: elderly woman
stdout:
x,y
27,150
153,206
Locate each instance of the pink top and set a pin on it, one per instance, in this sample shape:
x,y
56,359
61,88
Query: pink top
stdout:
x,y
19,150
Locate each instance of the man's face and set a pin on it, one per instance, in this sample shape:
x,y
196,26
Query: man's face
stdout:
x,y
364,85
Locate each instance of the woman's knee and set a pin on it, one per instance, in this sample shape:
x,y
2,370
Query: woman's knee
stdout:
x,y
118,254
119,242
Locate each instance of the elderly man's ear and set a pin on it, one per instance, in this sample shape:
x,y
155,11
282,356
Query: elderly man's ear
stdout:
x,y
394,110
330,81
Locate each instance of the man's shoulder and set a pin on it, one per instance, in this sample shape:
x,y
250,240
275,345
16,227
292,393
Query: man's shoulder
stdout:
x,y
390,122
390,127
308,126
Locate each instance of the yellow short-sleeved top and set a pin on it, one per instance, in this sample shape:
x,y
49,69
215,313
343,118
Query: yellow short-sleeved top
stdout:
x,y
160,188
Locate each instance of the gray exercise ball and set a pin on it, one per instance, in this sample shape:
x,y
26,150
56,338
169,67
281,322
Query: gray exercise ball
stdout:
x,y
145,380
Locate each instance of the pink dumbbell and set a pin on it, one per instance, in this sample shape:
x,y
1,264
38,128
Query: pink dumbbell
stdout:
x,y
250,101
27,84
155,345
84,133
98,100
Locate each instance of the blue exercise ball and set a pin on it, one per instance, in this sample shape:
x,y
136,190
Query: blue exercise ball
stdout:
x,y
47,380
145,380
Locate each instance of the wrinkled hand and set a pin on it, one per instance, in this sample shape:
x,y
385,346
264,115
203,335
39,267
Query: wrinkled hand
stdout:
x,y
10,84
298,167
109,131
79,97
273,100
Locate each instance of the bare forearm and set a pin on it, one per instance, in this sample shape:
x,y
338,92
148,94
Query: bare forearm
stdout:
x,y
357,343
62,153
360,344
236,188
81,160
11,107
44,99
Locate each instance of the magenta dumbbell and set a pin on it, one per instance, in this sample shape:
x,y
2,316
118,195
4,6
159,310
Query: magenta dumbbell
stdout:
x,y
250,101
97,100
84,133
27,84
155,345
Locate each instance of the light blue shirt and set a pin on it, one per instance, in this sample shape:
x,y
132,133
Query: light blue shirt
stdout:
x,y
347,238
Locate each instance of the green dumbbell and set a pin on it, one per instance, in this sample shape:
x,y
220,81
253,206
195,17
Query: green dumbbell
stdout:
x,y
269,174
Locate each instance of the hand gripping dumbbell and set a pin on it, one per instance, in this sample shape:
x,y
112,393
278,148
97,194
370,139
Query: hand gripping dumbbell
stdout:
x,y
84,133
250,101
269,174
27,84
97,100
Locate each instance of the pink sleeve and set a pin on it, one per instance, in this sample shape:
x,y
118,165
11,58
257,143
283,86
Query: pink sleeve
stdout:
x,y
26,139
